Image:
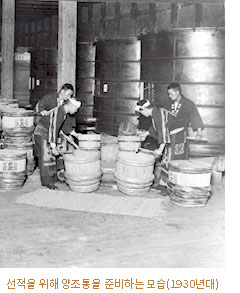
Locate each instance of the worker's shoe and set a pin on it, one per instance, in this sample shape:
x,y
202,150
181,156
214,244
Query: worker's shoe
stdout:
x,y
60,176
160,189
52,186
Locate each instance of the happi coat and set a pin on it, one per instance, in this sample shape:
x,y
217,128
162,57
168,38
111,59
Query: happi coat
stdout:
x,y
46,135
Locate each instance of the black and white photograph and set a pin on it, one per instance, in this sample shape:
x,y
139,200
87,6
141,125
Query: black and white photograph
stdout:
x,y
112,123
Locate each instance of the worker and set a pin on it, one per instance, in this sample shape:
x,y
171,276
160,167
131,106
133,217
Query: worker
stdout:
x,y
157,135
46,135
173,118
186,113
49,102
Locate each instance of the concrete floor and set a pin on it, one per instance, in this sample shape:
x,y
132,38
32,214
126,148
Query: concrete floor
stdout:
x,y
41,237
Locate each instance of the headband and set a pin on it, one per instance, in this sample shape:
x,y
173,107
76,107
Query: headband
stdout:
x,y
75,102
143,106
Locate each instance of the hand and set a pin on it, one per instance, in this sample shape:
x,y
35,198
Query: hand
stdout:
x,y
60,149
44,113
157,153
198,137
144,134
55,151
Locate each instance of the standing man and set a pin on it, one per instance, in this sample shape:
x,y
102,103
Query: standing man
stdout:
x,y
46,136
186,113
44,107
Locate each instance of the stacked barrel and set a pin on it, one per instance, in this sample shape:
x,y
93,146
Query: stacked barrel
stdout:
x,y
189,183
82,170
18,127
90,141
117,83
6,104
195,60
85,73
12,169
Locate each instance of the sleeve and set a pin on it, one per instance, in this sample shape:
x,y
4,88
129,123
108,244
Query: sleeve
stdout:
x,y
69,124
195,118
42,104
160,117
55,123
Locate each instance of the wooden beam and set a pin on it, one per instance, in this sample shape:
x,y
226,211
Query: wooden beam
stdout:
x,y
8,28
67,39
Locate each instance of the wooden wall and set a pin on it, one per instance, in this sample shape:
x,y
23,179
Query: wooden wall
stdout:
x,y
40,32
109,21
101,21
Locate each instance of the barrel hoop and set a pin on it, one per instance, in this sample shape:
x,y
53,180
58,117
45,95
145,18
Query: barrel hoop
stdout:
x,y
134,180
133,186
13,157
15,175
138,164
20,114
192,171
76,160
86,178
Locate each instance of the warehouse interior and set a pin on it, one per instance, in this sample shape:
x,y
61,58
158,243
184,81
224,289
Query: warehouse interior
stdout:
x,y
114,53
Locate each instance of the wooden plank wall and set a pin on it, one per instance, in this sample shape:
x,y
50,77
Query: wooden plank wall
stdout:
x,y
40,32
108,21
101,21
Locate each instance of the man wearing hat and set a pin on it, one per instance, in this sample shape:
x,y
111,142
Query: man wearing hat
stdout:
x,y
46,135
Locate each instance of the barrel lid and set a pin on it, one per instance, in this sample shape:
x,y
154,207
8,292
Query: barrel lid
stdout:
x,y
7,153
16,112
133,157
189,166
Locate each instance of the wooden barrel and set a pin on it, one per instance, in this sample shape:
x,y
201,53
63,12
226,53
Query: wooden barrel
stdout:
x,y
12,169
91,141
189,182
129,142
82,170
85,83
109,150
134,174
194,59
6,103
26,147
17,121
117,83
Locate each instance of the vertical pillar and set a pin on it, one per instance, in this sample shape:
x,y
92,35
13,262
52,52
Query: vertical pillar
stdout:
x,y
8,30
67,38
